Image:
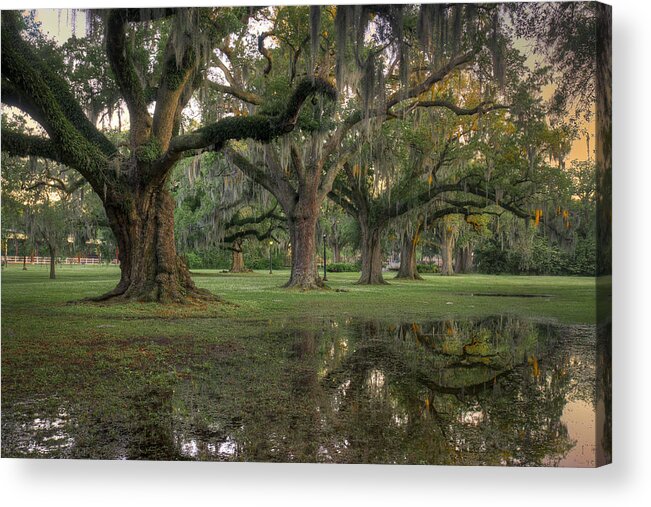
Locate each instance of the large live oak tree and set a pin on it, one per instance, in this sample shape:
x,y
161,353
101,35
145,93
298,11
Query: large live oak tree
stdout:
x,y
132,182
430,177
374,213
378,85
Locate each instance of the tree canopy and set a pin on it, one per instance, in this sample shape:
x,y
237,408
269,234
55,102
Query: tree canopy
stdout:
x,y
247,120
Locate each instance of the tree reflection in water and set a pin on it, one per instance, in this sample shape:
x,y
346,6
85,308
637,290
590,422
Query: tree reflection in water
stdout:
x,y
473,392
492,391
489,391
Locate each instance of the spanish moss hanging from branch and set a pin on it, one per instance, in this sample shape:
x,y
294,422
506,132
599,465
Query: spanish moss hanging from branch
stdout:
x,y
315,35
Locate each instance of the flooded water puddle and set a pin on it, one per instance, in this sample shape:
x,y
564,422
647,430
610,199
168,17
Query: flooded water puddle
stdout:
x,y
39,433
491,391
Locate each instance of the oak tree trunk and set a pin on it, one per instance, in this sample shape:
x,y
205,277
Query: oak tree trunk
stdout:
x,y
53,259
408,269
143,224
447,252
371,254
336,252
302,229
237,258
463,262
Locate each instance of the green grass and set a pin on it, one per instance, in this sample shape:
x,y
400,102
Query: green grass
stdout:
x,y
100,361
259,296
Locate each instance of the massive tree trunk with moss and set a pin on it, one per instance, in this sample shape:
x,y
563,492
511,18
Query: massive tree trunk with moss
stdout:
x,y
371,239
301,203
303,214
132,182
408,269
151,270
302,230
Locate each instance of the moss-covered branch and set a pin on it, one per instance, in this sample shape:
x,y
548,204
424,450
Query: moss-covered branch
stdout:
x,y
265,52
276,223
270,214
59,184
436,76
12,97
258,127
175,78
355,118
252,233
482,108
22,145
39,87
54,107
243,95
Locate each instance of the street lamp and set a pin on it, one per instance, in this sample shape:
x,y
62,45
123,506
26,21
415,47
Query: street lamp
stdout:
x,y
325,276
270,263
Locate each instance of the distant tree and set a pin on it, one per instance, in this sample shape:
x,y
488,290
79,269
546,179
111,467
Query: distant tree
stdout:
x,y
50,221
43,200
218,207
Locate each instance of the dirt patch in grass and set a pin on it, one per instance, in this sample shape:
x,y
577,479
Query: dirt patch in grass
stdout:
x,y
503,295
224,349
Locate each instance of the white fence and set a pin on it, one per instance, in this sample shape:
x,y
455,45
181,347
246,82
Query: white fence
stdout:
x,y
13,259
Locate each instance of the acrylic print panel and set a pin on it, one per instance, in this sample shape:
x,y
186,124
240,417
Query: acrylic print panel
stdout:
x,y
338,234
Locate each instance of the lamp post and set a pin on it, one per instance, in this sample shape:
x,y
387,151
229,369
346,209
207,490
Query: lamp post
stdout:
x,y
325,275
270,262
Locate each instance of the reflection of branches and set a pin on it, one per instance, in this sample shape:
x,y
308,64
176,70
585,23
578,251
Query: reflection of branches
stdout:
x,y
520,416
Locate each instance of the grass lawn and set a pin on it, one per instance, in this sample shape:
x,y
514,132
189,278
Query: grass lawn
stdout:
x,y
111,366
30,295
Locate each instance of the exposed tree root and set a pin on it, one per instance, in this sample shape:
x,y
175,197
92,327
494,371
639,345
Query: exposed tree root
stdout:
x,y
306,285
374,281
182,296
415,276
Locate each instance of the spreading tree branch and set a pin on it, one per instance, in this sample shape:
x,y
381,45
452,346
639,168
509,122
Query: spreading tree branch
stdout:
x,y
23,145
121,61
237,221
482,108
258,127
275,181
264,51
354,119
436,76
78,143
240,93
59,184
252,233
